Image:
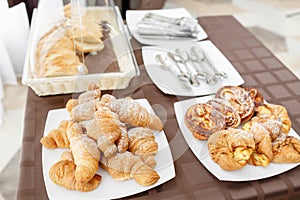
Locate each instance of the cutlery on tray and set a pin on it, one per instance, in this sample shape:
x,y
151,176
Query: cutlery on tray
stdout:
x,y
154,26
188,23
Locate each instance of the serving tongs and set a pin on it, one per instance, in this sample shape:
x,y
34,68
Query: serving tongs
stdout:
x,y
187,23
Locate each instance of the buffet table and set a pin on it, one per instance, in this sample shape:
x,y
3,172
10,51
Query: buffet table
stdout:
x,y
258,67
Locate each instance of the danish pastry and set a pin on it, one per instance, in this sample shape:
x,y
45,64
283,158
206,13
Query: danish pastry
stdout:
x,y
286,149
240,100
203,120
263,154
232,118
272,123
231,148
256,96
278,111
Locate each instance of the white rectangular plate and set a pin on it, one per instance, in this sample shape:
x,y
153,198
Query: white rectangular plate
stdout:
x,y
109,188
134,16
200,150
168,83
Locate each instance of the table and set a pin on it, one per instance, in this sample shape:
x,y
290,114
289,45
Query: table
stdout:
x,y
259,68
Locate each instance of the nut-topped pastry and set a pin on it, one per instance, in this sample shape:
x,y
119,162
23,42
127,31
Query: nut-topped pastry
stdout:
x,y
203,120
240,100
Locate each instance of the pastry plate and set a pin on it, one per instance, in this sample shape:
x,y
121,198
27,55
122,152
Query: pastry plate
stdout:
x,y
169,84
134,16
200,150
108,188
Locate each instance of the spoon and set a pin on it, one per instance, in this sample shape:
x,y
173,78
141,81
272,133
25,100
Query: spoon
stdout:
x,y
187,58
178,59
162,62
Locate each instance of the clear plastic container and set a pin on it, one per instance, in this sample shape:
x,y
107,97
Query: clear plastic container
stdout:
x,y
75,43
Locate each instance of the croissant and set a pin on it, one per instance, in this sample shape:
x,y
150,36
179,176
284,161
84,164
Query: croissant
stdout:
x,y
132,112
71,103
63,173
123,166
82,112
231,148
87,37
263,153
142,143
57,138
56,56
286,149
85,152
104,113
106,143
89,96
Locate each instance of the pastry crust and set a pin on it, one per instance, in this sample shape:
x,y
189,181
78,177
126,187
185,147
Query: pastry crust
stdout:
x,y
203,120
231,148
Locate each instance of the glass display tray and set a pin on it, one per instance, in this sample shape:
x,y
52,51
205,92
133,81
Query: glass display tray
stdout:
x,y
108,72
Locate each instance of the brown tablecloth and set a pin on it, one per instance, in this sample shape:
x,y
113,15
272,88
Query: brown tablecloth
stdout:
x,y
259,68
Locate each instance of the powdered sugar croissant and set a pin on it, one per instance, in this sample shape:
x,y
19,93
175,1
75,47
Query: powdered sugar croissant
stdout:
x,y
63,173
85,151
108,131
142,143
81,112
132,112
123,166
105,115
